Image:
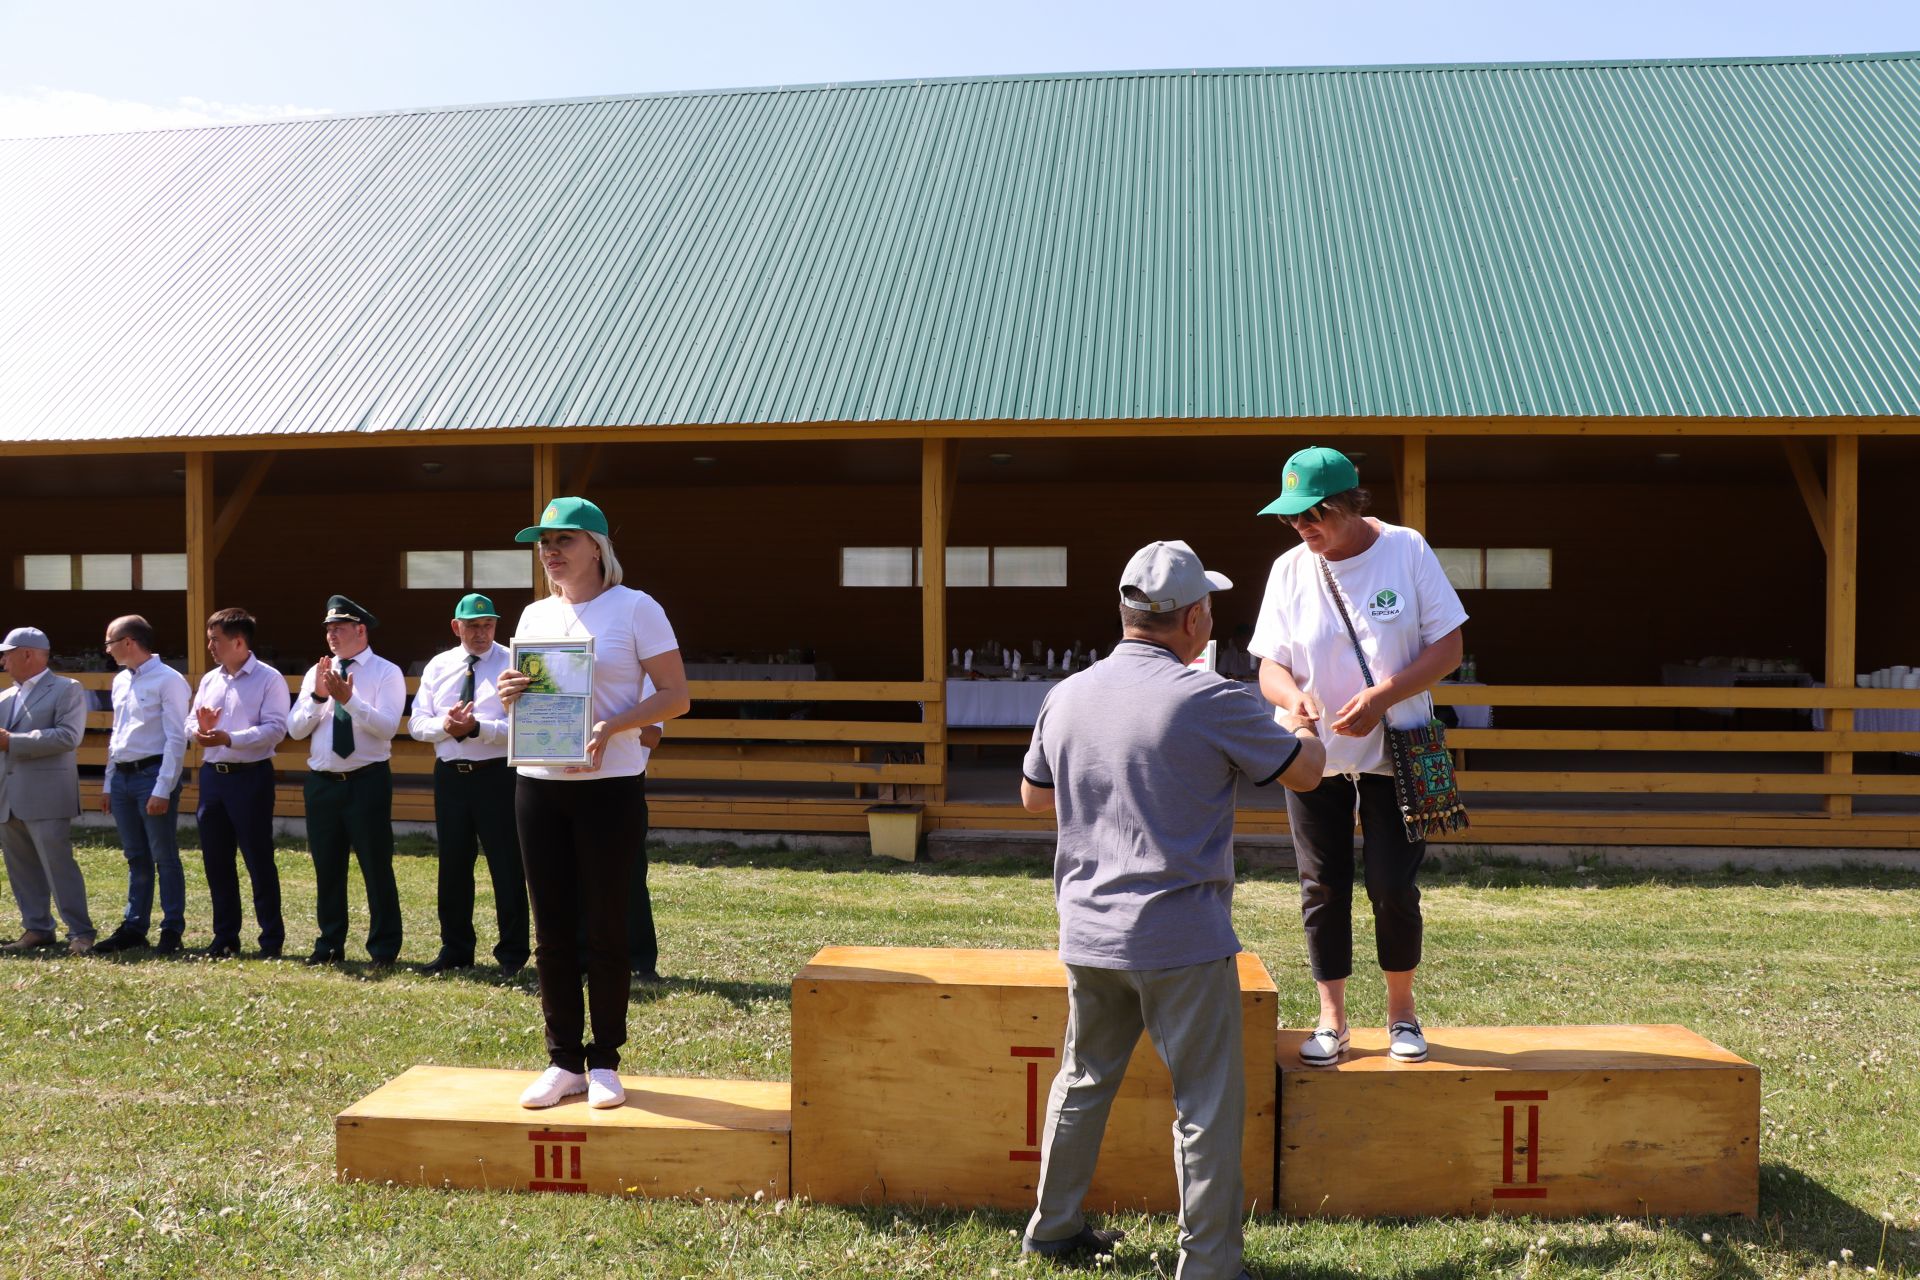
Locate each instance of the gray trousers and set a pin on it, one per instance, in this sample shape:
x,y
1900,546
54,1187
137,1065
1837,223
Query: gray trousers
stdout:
x,y
40,867
1193,1015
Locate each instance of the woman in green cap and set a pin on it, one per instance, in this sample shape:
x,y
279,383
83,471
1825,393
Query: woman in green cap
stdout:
x,y
580,825
1405,617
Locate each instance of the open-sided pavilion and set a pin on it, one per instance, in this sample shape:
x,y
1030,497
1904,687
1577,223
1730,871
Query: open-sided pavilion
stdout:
x,y
1649,331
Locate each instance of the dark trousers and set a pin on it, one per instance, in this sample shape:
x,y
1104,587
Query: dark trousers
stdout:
x,y
354,813
1322,824
473,811
236,810
577,841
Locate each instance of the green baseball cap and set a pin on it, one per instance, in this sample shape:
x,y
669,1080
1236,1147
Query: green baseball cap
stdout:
x,y
472,606
1312,476
566,513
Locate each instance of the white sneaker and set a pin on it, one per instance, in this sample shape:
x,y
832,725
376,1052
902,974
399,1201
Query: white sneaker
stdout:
x,y
554,1084
1324,1047
1406,1042
604,1088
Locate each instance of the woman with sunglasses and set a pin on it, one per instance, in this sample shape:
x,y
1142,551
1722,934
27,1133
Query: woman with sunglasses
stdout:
x,y
1406,619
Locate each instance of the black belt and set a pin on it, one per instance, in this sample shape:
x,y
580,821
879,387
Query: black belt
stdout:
x,y
141,763
339,776
237,766
471,766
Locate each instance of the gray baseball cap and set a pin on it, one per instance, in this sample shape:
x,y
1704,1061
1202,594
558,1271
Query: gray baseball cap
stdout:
x,y
1169,574
26,638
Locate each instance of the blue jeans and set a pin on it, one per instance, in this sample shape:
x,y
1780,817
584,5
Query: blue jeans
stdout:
x,y
151,841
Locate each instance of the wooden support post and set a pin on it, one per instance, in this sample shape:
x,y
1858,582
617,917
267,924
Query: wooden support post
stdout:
x,y
200,558
1843,546
1413,482
236,505
546,487
936,505
1811,491
578,479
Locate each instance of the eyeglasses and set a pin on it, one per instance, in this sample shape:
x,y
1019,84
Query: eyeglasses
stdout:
x,y
1312,515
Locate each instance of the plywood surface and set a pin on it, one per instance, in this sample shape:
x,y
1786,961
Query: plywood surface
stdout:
x,y
963,967
484,1096
1575,1048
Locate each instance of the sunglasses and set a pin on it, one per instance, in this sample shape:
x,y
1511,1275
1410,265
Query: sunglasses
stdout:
x,y
1312,515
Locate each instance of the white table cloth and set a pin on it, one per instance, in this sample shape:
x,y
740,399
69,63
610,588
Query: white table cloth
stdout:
x,y
995,704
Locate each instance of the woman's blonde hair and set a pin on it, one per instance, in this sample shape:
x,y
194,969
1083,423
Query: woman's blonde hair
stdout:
x,y
610,572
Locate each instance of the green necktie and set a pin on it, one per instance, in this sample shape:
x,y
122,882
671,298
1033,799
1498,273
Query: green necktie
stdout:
x,y
466,686
342,722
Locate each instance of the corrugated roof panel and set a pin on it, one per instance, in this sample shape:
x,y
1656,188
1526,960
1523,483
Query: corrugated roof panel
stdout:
x,y
1718,238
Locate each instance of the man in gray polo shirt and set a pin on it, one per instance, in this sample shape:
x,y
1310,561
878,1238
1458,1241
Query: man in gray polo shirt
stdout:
x,y
1139,756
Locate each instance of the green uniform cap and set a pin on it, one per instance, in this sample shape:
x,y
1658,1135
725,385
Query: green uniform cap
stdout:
x,y
341,609
1312,476
566,513
474,605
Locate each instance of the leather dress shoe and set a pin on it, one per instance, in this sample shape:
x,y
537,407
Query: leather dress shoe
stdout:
x,y
269,952
121,939
28,941
169,942
219,951
443,962
80,946
1093,1240
324,955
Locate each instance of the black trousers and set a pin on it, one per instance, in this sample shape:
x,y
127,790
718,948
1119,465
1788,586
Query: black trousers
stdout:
x,y
474,810
578,842
236,811
1322,824
354,815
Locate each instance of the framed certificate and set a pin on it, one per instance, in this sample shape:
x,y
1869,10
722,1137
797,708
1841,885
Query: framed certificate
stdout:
x,y
550,723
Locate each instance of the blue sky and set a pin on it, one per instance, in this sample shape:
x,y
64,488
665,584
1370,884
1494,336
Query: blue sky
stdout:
x,y
94,64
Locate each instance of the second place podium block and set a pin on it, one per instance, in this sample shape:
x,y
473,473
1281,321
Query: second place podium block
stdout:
x,y
920,1076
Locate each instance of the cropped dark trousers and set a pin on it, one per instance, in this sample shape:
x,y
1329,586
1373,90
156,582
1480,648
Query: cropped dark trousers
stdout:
x,y
1322,824
578,840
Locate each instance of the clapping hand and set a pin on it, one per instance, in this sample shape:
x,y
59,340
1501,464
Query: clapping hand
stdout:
x,y
208,735
335,685
459,721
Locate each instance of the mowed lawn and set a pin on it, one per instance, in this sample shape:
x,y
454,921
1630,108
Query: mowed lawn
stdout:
x,y
175,1117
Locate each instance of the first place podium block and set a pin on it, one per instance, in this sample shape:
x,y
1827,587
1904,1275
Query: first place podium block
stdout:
x,y
455,1127
920,1076
1555,1121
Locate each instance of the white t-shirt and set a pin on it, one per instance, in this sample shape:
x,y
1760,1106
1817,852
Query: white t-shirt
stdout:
x,y
1400,601
627,627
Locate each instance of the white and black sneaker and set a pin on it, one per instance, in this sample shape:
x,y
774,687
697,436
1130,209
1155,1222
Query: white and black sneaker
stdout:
x,y
1406,1042
1324,1047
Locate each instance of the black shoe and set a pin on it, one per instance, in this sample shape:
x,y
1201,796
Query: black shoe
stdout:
x,y
121,939
324,955
269,952
647,977
219,951
379,964
1090,1240
169,942
443,962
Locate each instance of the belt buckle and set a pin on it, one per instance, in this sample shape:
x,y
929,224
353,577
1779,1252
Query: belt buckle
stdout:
x,y
463,766
221,766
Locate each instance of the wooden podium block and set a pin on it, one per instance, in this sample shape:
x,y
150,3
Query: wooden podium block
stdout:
x,y
920,1076
453,1127
1556,1121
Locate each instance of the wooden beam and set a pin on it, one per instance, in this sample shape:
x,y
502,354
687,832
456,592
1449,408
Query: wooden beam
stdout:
x,y
1811,491
1633,696
1412,482
936,500
236,504
817,690
546,487
577,481
1843,554
200,560
1811,740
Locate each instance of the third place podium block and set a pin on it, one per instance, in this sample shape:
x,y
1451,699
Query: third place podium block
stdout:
x,y
920,1076
1556,1121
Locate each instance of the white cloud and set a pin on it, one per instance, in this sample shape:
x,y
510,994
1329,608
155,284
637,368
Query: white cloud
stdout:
x,y
41,112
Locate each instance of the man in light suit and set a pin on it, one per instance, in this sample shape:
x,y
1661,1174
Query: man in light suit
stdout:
x,y
42,718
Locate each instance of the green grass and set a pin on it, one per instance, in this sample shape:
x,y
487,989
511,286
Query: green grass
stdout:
x,y
174,1117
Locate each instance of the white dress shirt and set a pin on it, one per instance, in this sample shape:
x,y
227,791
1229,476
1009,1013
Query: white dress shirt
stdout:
x,y
149,719
379,696
439,692
253,704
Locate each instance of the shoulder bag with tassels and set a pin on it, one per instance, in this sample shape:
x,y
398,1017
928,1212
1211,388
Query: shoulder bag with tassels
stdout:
x,y
1423,777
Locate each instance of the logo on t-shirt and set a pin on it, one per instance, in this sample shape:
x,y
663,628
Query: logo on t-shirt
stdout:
x,y
1385,605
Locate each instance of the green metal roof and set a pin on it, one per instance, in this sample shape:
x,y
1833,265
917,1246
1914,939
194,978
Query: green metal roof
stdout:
x,y
1733,237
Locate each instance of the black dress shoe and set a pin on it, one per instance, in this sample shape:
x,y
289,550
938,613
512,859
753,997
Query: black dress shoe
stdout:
x,y
379,964
443,962
1090,1240
324,955
269,952
121,939
219,951
646,977
169,942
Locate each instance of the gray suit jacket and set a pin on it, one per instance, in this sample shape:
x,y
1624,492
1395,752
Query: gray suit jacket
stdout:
x,y
40,770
